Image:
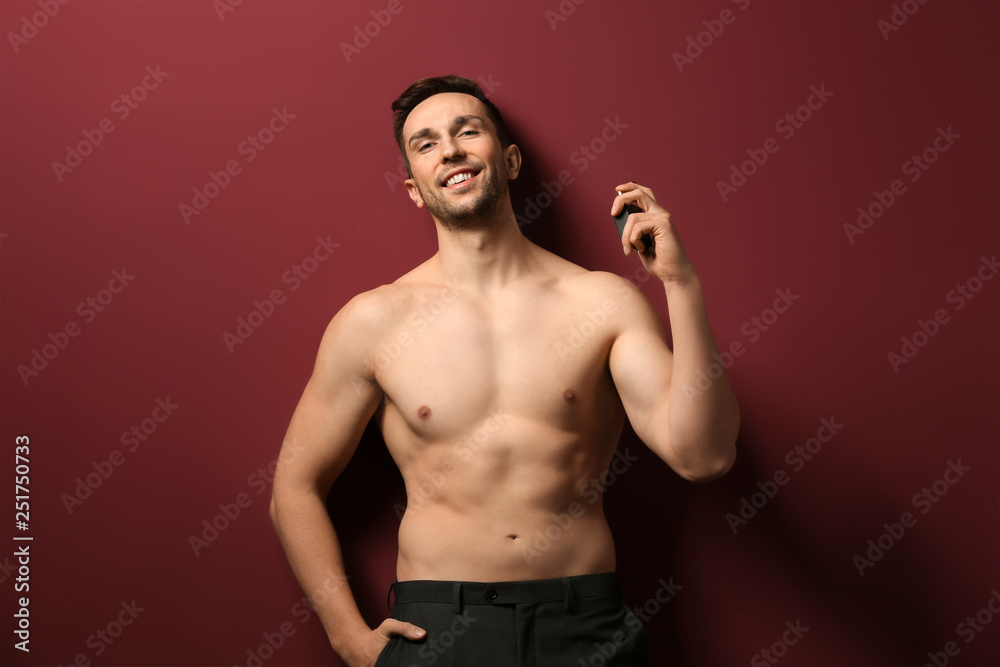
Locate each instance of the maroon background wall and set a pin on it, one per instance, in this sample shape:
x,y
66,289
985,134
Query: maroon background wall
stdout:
x,y
864,504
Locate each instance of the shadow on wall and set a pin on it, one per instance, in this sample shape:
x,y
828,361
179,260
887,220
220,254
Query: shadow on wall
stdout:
x,y
806,557
365,505
539,209
645,506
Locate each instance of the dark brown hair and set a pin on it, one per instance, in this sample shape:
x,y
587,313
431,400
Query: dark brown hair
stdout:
x,y
421,89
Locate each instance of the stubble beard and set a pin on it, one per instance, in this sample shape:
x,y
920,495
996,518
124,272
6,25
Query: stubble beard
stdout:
x,y
481,212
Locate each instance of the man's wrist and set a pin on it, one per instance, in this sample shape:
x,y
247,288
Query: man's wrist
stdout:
x,y
352,651
684,281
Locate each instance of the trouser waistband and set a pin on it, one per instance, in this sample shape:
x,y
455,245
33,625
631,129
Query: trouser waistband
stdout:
x,y
459,593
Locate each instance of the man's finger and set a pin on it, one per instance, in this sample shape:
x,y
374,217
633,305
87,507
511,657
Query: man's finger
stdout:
x,y
632,186
392,626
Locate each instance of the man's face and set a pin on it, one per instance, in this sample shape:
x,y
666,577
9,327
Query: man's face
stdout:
x,y
459,170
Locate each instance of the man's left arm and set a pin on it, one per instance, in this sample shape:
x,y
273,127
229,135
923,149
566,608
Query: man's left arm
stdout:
x,y
691,426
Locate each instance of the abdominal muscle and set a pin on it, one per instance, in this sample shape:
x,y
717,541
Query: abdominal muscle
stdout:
x,y
438,544
525,505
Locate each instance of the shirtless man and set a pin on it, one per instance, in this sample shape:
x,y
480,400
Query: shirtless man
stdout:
x,y
497,410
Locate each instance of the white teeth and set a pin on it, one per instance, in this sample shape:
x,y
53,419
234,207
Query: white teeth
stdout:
x,y
458,178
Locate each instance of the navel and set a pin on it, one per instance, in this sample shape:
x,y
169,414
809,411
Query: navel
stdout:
x,y
424,412
569,396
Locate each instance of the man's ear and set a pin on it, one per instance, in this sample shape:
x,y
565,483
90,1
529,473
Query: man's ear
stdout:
x,y
411,189
512,159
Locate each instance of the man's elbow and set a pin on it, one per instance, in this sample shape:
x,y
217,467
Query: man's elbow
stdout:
x,y
289,499
274,510
718,466
711,469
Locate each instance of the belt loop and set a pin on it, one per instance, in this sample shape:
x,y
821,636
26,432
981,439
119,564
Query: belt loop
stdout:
x,y
569,592
387,603
457,599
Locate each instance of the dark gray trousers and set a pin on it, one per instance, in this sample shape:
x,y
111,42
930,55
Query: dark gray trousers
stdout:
x,y
577,621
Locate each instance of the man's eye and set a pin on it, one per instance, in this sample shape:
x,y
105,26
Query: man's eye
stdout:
x,y
469,132
421,147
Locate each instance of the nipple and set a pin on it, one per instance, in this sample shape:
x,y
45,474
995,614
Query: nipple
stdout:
x,y
569,396
424,412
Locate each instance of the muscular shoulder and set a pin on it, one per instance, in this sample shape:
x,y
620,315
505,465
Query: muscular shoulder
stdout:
x,y
356,329
368,313
575,280
626,307
371,315
598,285
375,307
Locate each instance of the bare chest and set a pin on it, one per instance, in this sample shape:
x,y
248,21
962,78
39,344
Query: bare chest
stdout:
x,y
450,362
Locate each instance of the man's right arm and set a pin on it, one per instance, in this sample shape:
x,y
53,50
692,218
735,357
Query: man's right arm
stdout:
x,y
336,405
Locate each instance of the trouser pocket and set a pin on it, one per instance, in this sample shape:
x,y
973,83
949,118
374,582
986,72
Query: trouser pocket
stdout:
x,y
383,656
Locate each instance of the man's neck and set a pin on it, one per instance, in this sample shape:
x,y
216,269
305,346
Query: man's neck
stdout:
x,y
483,259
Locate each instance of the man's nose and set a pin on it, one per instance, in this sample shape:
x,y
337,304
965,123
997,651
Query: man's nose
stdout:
x,y
450,148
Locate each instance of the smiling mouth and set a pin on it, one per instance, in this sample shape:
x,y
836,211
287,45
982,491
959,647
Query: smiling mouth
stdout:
x,y
462,180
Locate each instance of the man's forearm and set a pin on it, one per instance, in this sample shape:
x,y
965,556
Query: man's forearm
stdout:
x,y
703,421
313,551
